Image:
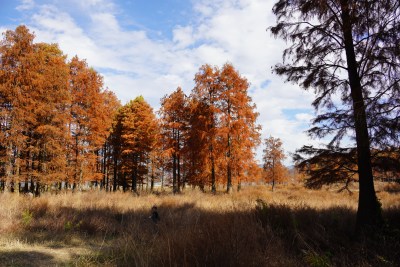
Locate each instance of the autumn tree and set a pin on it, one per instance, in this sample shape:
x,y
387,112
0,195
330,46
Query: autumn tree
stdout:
x,y
114,143
34,97
54,116
46,130
207,92
223,119
174,114
16,52
348,53
90,121
198,149
139,131
238,131
273,155
110,105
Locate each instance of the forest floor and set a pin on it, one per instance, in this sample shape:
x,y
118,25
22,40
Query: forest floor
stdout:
x,y
291,226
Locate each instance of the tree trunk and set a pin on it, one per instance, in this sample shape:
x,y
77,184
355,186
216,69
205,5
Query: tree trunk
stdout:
x,y
135,173
179,184
37,192
273,175
229,168
152,179
174,173
32,186
213,185
103,185
178,159
368,213
115,172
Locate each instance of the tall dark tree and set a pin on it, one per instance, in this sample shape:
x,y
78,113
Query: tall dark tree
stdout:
x,y
348,49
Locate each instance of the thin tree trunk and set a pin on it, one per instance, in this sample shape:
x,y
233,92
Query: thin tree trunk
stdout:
x,y
229,168
37,193
178,162
174,173
213,185
273,175
115,172
135,173
152,179
179,184
104,167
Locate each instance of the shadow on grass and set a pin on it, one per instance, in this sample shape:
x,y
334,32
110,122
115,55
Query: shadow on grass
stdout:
x,y
25,259
266,235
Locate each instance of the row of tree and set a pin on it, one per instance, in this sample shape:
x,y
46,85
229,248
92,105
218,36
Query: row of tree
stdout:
x,y
204,139
54,114
60,128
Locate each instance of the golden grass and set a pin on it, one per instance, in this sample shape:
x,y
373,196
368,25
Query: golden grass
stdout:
x,y
291,226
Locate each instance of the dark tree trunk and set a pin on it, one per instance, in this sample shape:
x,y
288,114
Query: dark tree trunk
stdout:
x,y
124,185
103,184
152,180
26,189
213,185
179,173
229,168
174,173
107,185
135,173
32,187
115,173
37,193
273,175
368,213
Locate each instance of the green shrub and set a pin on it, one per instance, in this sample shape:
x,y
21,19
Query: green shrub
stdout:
x,y
27,217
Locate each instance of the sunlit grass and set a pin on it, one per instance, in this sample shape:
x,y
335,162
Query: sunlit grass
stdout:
x,y
291,226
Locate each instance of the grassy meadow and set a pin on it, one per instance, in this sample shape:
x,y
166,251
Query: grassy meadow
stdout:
x,y
291,226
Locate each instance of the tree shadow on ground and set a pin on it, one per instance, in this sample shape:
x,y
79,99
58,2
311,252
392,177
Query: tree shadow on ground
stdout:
x,y
266,235
26,259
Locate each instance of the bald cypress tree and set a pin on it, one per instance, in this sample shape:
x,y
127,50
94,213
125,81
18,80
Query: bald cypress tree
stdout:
x,y
347,50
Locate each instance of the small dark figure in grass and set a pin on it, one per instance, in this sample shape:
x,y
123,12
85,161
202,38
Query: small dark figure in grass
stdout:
x,y
154,214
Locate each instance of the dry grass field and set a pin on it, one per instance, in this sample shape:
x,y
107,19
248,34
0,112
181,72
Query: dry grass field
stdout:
x,y
291,226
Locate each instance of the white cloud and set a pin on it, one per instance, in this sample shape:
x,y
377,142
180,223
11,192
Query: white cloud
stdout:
x,y
304,117
26,5
183,36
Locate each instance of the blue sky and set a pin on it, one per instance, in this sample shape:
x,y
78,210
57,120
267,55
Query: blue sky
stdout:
x,y
150,47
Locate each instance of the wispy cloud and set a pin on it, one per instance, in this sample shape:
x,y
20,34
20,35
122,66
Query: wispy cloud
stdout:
x,y
25,5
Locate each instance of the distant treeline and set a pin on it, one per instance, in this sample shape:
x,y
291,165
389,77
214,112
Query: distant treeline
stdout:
x,y
59,127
